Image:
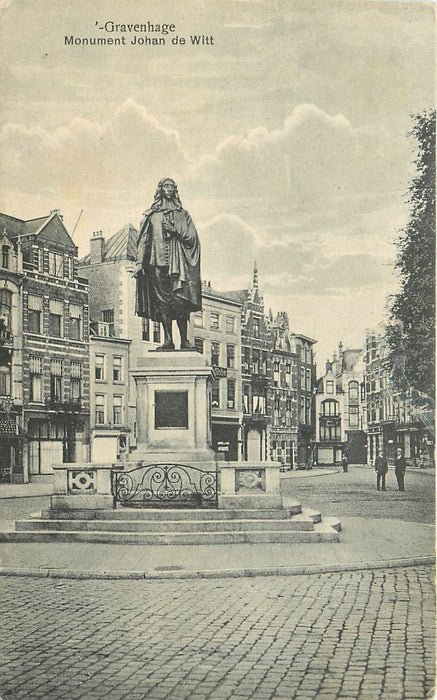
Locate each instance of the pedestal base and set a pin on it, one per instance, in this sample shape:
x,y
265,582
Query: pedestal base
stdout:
x,y
173,409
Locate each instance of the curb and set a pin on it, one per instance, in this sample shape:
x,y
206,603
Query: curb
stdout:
x,y
302,474
217,573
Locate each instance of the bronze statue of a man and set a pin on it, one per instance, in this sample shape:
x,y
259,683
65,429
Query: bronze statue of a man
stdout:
x,y
168,265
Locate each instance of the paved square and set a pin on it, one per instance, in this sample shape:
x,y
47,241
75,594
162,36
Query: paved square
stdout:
x,y
349,635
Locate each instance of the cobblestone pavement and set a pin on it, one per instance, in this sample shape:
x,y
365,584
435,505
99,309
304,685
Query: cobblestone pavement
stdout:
x,y
352,635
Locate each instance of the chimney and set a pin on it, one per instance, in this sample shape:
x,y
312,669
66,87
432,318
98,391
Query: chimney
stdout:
x,y
97,247
58,212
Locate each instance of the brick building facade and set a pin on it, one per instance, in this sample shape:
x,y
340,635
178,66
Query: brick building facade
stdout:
x,y
53,330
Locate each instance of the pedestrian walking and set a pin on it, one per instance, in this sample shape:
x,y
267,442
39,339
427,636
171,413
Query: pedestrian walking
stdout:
x,y
381,469
400,467
344,463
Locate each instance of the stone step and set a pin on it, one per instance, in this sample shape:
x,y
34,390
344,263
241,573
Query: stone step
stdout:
x,y
321,533
298,522
203,514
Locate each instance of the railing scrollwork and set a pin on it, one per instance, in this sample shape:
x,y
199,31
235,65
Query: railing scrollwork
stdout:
x,y
165,485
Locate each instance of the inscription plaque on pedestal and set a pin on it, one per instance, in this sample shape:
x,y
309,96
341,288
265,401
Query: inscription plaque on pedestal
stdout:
x,y
171,409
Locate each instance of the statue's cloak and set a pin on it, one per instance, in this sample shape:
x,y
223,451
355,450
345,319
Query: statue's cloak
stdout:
x,y
175,285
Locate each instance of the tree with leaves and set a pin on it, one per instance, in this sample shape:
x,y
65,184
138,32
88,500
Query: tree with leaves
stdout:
x,y
411,328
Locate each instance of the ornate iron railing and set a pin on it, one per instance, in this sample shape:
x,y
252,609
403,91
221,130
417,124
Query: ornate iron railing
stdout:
x,y
165,485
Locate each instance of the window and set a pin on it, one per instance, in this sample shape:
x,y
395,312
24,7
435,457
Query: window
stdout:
x,y
56,311
354,391
117,410
35,366
353,416
156,332
198,320
329,386
215,353
302,410
276,373
117,374
100,367
145,329
288,374
5,256
302,377
100,409
108,315
255,327
214,321
246,360
215,393
258,403
308,411
231,393
308,380
35,313
329,432
230,356
56,264
288,412
5,380
246,398
263,368
5,309
329,408
198,344
56,380
230,324
256,358
75,314
76,380
108,318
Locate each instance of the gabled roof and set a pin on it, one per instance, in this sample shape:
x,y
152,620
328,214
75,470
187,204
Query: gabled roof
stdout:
x,y
121,246
240,295
48,228
207,290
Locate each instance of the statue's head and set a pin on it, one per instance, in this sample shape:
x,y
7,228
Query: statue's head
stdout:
x,y
167,190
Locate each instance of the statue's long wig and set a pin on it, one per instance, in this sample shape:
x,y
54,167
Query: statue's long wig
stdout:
x,y
159,194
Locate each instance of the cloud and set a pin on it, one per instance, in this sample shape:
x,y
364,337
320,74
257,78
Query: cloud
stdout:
x,y
312,161
85,156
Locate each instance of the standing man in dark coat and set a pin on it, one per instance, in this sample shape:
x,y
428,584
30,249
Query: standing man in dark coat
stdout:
x,y
400,467
381,468
168,265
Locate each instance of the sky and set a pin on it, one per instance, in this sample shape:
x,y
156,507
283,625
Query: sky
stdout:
x,y
285,130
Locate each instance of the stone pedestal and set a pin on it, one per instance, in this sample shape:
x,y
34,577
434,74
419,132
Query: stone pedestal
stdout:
x,y
249,485
173,408
82,487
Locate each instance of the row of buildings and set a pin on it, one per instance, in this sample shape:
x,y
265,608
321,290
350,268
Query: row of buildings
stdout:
x,y
69,338
359,412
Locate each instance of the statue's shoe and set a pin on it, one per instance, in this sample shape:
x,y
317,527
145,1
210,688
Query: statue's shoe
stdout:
x,y
166,346
187,346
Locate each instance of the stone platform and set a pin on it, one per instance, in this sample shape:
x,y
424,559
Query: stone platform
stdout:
x,y
177,526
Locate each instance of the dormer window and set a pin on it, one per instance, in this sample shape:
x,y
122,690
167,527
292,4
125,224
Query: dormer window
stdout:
x,y
5,256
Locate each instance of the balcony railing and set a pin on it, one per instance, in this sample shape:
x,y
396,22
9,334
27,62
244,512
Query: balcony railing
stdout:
x,y
73,406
